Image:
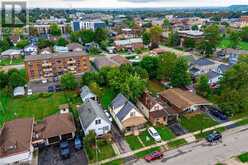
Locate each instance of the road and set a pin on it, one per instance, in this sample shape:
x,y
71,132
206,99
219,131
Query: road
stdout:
x,y
201,153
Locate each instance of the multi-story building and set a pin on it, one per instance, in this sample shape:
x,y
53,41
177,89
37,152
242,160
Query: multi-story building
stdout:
x,y
244,21
49,66
93,25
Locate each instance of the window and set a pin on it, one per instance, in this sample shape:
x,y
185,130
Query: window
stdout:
x,y
106,128
98,121
132,114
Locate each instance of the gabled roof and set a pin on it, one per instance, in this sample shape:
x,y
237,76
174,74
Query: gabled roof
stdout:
x,y
211,74
85,91
89,111
203,62
15,137
119,100
224,67
125,110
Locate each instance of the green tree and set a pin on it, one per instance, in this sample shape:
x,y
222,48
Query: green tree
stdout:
x,y
235,39
146,37
205,48
244,34
62,42
43,43
166,23
68,81
55,30
166,65
202,86
15,79
22,43
173,39
212,36
155,35
4,44
150,64
180,76
189,43
90,139
100,35
194,27
87,36
143,74
3,79
74,36
89,77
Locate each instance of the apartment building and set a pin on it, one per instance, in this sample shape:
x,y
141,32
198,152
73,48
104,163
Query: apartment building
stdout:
x,y
53,65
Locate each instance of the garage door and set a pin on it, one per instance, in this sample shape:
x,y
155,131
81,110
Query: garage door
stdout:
x,y
53,140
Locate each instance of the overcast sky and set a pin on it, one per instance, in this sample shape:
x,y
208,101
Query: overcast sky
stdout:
x,y
131,3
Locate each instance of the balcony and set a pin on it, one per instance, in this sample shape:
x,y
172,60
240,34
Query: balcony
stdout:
x,y
46,64
47,69
71,62
48,75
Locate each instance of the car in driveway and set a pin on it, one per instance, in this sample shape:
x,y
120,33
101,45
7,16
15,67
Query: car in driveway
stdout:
x,y
108,115
50,88
64,149
78,143
153,156
216,113
214,136
154,134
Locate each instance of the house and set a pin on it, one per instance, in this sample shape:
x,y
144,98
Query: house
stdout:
x,y
53,129
155,110
126,115
86,94
129,44
231,54
16,141
202,66
119,60
30,49
101,62
74,47
19,91
46,50
193,34
222,68
92,117
183,101
213,78
11,53
60,49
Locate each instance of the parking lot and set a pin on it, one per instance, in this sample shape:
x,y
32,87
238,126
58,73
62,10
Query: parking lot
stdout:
x,y
51,156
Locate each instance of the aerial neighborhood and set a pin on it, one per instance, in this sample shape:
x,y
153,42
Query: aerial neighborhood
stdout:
x,y
118,87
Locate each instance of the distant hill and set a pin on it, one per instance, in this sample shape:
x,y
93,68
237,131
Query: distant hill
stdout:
x,y
238,7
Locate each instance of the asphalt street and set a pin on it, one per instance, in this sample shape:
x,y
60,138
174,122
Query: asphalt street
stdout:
x,y
235,141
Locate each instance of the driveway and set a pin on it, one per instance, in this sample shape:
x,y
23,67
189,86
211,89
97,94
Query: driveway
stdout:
x,y
234,142
177,129
51,156
38,87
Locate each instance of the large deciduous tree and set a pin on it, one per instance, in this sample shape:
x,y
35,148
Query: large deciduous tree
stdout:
x,y
55,30
202,86
68,81
165,66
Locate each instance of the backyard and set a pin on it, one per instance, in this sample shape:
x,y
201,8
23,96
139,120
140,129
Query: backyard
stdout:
x,y
165,133
37,106
155,87
226,43
5,62
197,122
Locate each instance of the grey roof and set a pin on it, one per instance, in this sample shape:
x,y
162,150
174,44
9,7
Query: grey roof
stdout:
x,y
212,74
89,111
85,91
224,67
203,61
19,91
125,110
119,101
54,56
101,62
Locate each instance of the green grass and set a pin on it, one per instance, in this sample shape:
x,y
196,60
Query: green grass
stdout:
x,y
146,138
243,157
37,105
133,142
146,152
197,122
106,98
242,122
165,133
115,162
205,134
226,43
177,143
5,62
104,151
155,87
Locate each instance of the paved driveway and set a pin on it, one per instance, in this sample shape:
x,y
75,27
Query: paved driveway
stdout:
x,y
50,156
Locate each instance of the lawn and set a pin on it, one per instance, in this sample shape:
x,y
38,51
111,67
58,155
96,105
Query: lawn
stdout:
x,y
146,138
177,143
146,152
197,122
242,122
243,157
5,62
205,134
133,142
165,133
155,87
107,97
104,151
37,105
115,162
226,43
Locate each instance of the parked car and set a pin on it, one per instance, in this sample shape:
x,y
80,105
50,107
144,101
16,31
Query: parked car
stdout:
x,y
44,81
213,137
218,114
57,88
30,92
108,115
154,134
153,156
77,143
50,89
64,149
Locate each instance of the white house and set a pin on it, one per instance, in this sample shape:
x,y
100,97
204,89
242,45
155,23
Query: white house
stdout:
x,y
127,117
30,49
213,77
202,66
92,117
86,94
16,142
19,91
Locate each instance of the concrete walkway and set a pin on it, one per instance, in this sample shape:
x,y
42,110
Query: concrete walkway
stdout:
x,y
187,137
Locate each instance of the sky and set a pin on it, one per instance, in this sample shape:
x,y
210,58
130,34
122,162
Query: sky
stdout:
x,y
131,3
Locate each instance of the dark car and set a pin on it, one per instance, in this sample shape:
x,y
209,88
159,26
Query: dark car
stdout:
x,y
64,149
50,89
153,156
213,137
78,143
218,114
57,87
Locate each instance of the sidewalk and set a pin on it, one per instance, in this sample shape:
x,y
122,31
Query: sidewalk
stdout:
x,y
186,137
